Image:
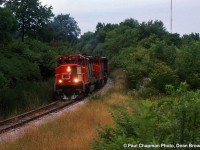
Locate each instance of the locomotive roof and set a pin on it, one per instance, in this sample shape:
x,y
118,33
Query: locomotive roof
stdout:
x,y
64,57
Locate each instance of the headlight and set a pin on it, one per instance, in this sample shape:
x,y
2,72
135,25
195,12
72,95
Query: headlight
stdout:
x,y
76,80
60,81
68,69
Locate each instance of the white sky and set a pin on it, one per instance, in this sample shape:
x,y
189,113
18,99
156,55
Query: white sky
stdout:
x,y
186,13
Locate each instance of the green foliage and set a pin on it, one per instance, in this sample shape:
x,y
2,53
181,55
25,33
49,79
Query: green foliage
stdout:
x,y
17,69
3,81
28,61
102,29
152,27
174,119
24,65
7,25
87,43
121,37
162,75
173,39
42,55
188,39
24,96
144,50
163,52
140,66
30,14
64,28
95,96
187,64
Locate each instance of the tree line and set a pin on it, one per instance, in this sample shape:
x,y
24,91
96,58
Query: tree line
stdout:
x,y
156,63
151,56
163,75
30,34
26,29
31,38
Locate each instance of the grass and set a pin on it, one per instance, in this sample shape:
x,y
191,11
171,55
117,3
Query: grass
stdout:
x,y
24,97
75,130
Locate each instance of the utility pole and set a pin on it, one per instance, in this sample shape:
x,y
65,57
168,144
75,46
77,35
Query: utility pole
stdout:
x,y
171,18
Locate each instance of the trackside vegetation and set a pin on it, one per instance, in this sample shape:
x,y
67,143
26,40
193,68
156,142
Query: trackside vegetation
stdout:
x,y
173,119
161,71
30,41
76,128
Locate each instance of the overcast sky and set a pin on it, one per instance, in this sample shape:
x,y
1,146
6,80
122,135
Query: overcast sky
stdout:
x,y
186,13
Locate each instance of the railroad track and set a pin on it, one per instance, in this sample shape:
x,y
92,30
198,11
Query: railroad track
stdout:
x,y
20,120
17,121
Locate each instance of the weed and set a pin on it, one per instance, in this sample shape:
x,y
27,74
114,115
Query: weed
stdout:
x,y
95,96
23,97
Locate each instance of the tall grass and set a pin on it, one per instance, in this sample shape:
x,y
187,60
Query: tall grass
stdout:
x,y
24,96
74,130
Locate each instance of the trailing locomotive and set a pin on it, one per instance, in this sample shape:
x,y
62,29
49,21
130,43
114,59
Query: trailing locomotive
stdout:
x,y
77,75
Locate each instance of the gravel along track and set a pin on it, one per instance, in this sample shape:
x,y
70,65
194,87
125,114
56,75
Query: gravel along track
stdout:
x,y
24,124
20,120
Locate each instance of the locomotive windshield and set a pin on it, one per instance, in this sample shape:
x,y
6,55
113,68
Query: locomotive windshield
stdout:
x,y
70,60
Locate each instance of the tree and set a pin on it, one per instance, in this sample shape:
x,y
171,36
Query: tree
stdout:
x,y
187,64
130,22
102,29
62,28
152,27
87,43
188,39
31,15
2,1
65,28
7,25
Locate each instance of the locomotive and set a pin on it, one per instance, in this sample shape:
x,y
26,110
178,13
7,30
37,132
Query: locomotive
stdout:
x,y
77,75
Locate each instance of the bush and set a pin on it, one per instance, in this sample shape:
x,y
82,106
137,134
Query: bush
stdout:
x,y
162,75
173,119
95,96
29,61
24,96
3,81
17,69
187,64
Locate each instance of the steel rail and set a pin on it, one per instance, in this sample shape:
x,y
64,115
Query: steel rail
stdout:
x,y
17,121
20,120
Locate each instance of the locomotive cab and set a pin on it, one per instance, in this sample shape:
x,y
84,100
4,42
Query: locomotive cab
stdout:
x,y
71,76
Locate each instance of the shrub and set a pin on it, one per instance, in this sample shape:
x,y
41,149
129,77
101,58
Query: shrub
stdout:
x,y
3,81
162,75
173,119
187,64
24,96
95,96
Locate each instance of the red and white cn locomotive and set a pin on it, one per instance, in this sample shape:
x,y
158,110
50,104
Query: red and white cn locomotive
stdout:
x,y
77,75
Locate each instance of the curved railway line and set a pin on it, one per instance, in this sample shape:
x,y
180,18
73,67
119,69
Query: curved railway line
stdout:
x,y
20,120
17,121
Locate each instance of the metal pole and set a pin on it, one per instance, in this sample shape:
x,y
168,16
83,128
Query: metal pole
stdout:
x,y
171,17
